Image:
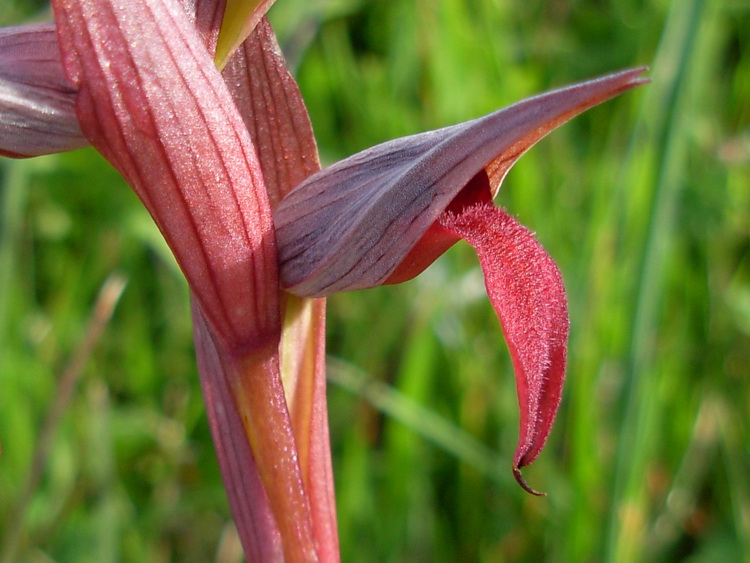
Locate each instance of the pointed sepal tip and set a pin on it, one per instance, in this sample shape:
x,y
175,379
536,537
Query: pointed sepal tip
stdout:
x,y
524,485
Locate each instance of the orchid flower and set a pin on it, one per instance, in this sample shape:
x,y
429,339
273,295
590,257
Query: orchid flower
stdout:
x,y
383,215
226,163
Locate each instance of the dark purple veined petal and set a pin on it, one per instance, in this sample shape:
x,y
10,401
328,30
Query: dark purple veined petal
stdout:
x,y
351,225
37,103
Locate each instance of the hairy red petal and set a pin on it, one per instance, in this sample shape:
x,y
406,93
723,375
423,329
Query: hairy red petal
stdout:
x,y
527,292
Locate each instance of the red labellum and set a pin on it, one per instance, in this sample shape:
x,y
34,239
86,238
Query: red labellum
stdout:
x,y
526,290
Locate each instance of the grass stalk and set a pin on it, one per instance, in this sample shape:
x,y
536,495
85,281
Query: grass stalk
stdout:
x,y
639,422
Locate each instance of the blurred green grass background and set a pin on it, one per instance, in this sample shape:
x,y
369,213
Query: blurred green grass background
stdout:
x,y
644,203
